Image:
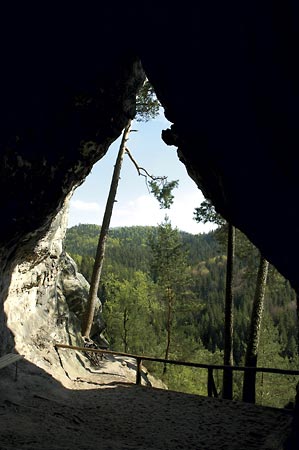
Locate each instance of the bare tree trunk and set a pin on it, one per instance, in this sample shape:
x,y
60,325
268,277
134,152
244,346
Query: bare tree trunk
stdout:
x,y
229,316
169,326
125,339
98,264
254,332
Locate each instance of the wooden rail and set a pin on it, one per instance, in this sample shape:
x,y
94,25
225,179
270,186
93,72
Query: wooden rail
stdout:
x,y
9,358
212,391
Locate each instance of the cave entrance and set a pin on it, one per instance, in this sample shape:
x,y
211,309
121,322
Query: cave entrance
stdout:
x,y
135,205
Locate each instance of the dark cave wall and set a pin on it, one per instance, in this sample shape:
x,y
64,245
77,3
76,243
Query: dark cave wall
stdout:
x,y
225,74
66,95
51,135
229,83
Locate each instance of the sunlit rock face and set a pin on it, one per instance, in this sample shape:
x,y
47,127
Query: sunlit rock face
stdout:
x,y
228,82
46,298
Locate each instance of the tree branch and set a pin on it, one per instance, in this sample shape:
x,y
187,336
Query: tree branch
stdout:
x,y
140,170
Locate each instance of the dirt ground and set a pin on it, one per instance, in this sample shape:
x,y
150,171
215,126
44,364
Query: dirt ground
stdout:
x,y
104,411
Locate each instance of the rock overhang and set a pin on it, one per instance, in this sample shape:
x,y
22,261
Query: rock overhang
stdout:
x,y
226,81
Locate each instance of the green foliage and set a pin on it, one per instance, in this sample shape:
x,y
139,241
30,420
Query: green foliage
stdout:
x,y
170,273
168,258
192,379
131,295
128,313
128,249
147,104
274,389
162,190
206,212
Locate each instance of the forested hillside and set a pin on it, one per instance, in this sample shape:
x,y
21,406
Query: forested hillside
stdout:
x,y
133,303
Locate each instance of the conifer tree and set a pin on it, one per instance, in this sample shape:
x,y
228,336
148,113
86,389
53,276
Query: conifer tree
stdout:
x,y
147,106
207,213
99,258
169,271
254,332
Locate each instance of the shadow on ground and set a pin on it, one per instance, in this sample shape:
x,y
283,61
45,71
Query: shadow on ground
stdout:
x,y
37,412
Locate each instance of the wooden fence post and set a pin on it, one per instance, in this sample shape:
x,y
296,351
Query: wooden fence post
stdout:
x,y
249,386
138,370
212,391
227,383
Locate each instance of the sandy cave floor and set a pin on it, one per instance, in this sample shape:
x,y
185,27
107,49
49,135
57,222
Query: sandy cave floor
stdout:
x,y
37,412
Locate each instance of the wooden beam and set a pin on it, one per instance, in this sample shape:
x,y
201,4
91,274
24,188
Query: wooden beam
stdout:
x,y
8,359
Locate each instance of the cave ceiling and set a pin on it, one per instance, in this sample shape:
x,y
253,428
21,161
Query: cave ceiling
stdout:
x,y
226,76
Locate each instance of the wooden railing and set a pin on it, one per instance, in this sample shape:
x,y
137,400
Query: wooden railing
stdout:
x,y
211,387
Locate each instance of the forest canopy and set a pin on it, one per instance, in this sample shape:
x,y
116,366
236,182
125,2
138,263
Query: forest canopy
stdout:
x,y
129,290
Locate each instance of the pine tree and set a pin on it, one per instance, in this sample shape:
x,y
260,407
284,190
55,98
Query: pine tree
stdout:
x,y
254,333
207,213
169,271
99,259
128,313
147,106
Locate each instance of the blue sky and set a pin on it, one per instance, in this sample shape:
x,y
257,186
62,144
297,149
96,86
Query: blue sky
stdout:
x,y
135,205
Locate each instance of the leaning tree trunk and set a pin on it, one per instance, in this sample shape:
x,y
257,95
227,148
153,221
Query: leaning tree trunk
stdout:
x,y
229,316
98,264
254,332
